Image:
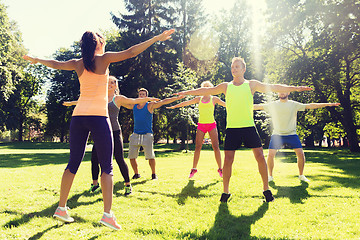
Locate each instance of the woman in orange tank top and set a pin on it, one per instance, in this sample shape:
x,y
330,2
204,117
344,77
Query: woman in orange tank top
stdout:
x,y
91,114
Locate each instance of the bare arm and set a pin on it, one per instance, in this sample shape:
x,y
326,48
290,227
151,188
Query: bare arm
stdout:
x,y
221,88
110,57
66,65
164,102
121,100
320,105
217,100
258,107
257,86
69,104
186,103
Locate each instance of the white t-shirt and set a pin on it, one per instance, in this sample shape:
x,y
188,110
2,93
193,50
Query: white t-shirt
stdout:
x,y
284,115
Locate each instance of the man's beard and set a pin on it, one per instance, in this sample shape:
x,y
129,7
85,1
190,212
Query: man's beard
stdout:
x,y
283,98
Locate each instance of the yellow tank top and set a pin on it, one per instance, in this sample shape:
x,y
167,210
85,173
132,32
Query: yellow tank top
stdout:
x,y
206,111
239,106
93,98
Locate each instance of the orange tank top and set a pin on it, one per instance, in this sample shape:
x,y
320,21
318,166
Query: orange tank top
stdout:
x,y
93,98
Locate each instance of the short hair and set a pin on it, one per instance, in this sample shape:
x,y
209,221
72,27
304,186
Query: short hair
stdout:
x,y
144,90
235,59
207,84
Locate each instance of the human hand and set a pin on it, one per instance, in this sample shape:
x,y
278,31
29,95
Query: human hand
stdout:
x,y
303,88
31,59
166,35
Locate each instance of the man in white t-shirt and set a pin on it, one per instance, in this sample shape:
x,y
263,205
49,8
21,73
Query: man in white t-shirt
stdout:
x,y
284,113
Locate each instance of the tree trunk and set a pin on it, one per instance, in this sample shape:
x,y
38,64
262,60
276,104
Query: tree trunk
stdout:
x,y
21,130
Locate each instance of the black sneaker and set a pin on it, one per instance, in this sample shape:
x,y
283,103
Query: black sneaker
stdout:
x,y
268,196
128,190
95,188
224,197
153,176
136,176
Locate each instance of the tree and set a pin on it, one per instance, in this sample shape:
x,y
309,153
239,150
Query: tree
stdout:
x,y
151,69
11,63
64,86
318,44
181,120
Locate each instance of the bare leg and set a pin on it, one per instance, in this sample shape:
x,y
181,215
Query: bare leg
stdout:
x,y
134,165
152,165
228,161
107,187
300,159
259,156
215,145
66,182
270,160
198,144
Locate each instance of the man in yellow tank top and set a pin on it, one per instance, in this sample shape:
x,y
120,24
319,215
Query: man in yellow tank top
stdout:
x,y
240,128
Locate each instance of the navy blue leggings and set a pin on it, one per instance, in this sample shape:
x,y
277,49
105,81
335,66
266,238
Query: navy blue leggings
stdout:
x,y
100,129
118,154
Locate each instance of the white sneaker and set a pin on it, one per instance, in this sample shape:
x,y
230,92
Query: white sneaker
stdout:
x,y
62,215
270,179
303,178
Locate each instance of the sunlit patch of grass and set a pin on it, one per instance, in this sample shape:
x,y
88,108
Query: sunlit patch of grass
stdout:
x,y
174,207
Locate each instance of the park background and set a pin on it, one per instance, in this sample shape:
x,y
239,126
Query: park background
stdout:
x,y
307,42
311,43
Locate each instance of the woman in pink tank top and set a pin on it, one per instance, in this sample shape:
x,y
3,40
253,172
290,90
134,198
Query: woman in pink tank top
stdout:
x,y
91,114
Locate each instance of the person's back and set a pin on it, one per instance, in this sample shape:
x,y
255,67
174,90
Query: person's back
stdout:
x,y
93,98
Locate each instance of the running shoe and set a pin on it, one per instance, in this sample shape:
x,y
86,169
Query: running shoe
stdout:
x,y
62,214
270,178
192,173
225,197
303,178
109,220
94,188
136,176
220,172
128,190
268,196
154,176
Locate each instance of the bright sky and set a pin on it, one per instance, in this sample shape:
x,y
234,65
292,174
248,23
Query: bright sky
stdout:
x,y
48,25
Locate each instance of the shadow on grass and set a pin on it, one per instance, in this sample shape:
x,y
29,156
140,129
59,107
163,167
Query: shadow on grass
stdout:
x,y
40,234
49,211
296,194
227,226
188,191
35,159
34,145
338,159
120,186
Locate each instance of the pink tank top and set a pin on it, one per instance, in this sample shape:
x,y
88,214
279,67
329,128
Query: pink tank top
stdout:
x,y
93,100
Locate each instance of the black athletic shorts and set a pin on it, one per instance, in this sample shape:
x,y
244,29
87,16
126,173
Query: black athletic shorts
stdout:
x,y
235,137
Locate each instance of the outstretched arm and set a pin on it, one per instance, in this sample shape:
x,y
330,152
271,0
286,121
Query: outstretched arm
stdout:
x,y
69,104
186,103
66,65
320,105
221,88
217,100
258,107
257,86
121,100
135,50
164,102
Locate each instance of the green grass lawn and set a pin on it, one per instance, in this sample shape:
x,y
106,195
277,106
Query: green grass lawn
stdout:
x,y
174,207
